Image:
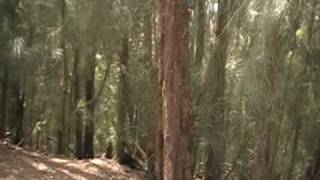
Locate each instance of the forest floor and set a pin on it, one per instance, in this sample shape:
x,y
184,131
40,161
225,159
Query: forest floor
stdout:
x,y
19,164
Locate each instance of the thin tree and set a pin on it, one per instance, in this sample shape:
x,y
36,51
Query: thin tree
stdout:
x,y
76,99
88,144
3,105
122,108
215,84
201,31
62,143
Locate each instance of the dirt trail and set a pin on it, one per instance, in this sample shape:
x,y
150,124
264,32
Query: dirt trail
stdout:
x,y
18,164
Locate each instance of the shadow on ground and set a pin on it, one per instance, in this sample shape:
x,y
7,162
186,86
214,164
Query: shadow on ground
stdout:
x,y
16,164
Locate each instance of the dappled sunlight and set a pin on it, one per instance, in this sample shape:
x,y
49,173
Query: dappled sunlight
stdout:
x,y
39,166
73,175
106,163
58,160
16,163
159,89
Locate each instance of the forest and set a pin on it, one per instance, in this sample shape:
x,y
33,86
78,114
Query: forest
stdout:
x,y
169,89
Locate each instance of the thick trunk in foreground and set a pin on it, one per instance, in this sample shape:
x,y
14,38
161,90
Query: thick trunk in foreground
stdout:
x,y
88,145
176,101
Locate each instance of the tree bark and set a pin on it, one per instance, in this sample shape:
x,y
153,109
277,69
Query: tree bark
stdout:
x,y
176,101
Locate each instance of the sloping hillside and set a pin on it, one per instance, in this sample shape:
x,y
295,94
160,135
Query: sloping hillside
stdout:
x,y
17,163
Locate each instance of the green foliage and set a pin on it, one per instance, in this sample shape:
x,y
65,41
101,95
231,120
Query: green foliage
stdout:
x,y
283,35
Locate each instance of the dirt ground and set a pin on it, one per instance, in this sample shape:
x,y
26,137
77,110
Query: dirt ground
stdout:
x,y
19,164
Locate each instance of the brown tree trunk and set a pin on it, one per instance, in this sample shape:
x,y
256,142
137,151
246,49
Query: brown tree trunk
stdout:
x,y
176,100
88,150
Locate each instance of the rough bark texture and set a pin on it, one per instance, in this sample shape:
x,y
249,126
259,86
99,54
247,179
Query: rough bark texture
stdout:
x,y
216,83
88,149
176,101
123,99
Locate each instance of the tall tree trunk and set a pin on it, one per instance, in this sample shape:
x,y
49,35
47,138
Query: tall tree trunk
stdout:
x,y
176,100
76,99
123,100
3,105
88,150
62,139
216,83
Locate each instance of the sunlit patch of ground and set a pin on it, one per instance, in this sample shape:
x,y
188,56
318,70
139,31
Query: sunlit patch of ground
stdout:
x,y
18,164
